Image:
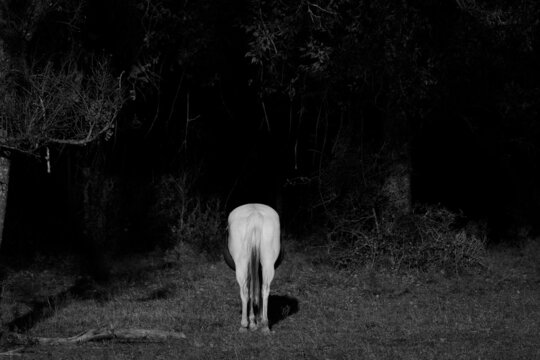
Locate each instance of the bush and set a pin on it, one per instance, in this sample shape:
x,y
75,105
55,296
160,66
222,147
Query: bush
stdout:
x,y
369,219
183,216
423,240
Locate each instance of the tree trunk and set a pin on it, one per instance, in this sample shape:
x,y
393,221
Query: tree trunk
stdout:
x,y
397,185
397,192
397,189
4,183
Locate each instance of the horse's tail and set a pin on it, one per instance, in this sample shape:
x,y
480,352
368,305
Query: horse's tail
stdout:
x,y
255,284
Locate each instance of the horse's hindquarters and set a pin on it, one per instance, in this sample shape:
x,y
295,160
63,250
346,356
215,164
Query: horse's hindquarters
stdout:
x,y
254,236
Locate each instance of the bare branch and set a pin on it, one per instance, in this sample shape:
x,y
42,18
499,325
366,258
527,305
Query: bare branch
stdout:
x,y
12,352
105,333
62,106
321,9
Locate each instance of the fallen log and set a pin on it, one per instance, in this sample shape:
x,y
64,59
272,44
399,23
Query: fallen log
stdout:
x,y
12,352
105,333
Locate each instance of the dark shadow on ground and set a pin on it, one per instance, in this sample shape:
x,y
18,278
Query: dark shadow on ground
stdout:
x,y
86,287
280,307
83,288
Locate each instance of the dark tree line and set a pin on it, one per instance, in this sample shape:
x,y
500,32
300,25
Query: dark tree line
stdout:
x,y
319,108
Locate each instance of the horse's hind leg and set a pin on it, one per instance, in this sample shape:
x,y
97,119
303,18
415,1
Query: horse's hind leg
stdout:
x,y
252,322
241,277
268,276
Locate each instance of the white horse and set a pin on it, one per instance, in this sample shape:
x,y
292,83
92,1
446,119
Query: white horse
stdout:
x,y
254,245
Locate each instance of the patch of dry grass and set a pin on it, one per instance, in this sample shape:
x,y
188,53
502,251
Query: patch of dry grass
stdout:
x,y
365,314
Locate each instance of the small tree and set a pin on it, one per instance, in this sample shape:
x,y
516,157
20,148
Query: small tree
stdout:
x,y
50,101
64,106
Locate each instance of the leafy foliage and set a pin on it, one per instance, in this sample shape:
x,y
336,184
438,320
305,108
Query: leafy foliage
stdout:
x,y
181,216
342,86
359,48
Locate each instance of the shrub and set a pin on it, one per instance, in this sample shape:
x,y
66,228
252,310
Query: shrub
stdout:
x,y
424,239
369,219
184,216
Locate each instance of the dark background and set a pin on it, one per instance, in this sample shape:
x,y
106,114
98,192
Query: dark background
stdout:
x,y
309,107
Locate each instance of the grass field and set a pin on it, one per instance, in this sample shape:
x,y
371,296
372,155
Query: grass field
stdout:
x,y
318,312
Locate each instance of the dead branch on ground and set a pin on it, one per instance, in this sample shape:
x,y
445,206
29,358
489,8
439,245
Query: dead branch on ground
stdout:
x,y
105,333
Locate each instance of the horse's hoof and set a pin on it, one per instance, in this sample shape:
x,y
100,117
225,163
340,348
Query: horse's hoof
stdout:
x,y
242,329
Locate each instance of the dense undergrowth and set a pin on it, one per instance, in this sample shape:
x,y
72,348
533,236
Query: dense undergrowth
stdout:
x,y
368,223
184,216
368,219
425,239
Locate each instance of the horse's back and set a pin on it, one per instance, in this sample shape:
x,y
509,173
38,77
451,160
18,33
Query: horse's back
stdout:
x,y
245,211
